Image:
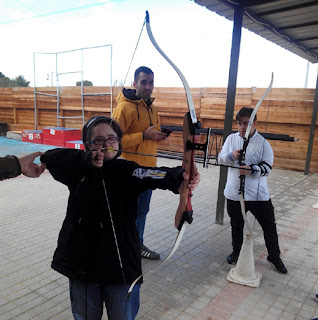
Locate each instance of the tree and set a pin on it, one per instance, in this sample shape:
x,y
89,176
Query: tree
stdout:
x,y
19,81
85,83
4,82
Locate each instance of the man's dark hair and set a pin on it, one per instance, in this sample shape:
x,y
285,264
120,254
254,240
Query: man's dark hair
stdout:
x,y
142,69
245,112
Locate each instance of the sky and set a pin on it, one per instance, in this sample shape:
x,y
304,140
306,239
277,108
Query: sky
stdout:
x,y
197,40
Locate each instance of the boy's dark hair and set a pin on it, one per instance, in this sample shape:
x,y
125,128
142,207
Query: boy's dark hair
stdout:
x,y
93,122
245,112
142,69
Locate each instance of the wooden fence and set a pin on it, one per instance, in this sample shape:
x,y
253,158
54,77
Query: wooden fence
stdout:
x,y
284,111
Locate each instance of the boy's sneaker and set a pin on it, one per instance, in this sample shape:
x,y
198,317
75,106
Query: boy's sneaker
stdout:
x,y
232,258
148,254
317,297
277,263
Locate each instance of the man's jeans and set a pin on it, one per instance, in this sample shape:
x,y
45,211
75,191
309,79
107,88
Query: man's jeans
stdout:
x,y
87,301
143,209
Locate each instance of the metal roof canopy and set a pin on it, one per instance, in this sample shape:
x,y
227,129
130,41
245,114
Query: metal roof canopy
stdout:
x,y
291,24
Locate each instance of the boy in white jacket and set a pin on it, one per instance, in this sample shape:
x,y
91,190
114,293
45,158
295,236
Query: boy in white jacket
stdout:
x,y
258,164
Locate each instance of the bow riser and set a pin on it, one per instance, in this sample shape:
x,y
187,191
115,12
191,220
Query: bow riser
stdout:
x,y
191,134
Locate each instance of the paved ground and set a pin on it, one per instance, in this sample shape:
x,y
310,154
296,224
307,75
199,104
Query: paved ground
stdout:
x,y
192,284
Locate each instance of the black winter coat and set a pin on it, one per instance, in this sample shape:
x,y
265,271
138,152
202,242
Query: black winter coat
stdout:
x,y
86,248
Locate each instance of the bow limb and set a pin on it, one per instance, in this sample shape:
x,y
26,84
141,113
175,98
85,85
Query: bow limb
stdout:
x,y
184,212
248,130
183,79
246,138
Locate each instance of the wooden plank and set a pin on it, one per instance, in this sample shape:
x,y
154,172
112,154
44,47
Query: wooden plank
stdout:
x,y
23,97
285,111
24,116
6,115
6,99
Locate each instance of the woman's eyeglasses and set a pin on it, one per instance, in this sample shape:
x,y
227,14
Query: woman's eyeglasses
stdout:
x,y
102,141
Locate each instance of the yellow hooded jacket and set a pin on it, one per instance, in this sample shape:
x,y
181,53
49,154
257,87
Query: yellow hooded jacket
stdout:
x,y
134,117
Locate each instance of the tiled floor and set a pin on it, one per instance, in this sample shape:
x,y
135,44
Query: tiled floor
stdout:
x,y
192,284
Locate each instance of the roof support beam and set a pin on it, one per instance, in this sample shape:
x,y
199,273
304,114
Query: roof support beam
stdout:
x,y
301,25
250,3
289,8
268,15
280,31
242,3
230,102
307,39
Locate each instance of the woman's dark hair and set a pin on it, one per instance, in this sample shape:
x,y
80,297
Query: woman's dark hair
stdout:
x,y
93,122
245,112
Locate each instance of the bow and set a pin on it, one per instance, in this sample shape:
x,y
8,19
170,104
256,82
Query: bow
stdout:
x,y
191,133
246,141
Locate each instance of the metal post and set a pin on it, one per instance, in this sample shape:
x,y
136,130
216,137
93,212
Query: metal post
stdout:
x,y
312,130
82,89
57,95
306,77
111,81
230,102
35,119
57,92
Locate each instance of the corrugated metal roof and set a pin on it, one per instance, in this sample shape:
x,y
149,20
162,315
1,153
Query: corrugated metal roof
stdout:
x,y
291,24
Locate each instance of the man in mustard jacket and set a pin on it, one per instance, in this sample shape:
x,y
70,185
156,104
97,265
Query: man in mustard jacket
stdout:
x,y
139,121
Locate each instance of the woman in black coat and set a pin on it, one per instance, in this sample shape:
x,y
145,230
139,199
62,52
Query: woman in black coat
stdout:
x,y
98,247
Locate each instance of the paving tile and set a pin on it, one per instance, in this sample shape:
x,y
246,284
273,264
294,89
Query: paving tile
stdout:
x,y
192,284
